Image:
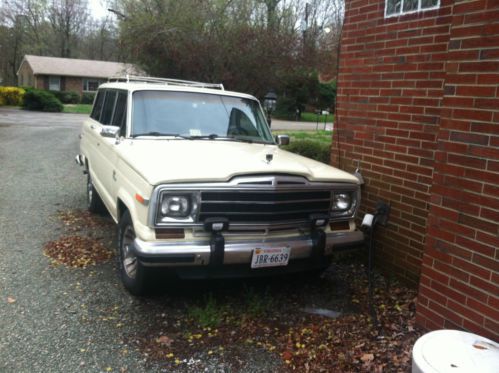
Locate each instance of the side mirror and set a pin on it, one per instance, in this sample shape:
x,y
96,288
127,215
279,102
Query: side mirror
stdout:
x,y
109,131
282,139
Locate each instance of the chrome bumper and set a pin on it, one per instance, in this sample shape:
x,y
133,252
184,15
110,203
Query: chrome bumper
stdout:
x,y
198,253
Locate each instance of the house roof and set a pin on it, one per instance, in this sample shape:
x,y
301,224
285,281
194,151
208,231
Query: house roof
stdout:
x,y
76,67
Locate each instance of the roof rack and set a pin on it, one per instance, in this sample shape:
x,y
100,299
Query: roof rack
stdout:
x,y
147,79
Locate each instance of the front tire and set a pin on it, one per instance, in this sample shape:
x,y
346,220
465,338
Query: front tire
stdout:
x,y
94,202
133,273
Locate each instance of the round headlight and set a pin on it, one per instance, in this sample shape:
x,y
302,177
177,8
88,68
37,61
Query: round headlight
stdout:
x,y
179,206
342,201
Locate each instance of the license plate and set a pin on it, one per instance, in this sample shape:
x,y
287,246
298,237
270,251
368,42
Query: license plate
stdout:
x,y
270,257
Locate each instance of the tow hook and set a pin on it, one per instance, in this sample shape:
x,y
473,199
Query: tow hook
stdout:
x,y
217,240
318,236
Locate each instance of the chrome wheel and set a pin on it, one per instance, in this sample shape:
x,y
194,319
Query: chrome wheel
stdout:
x,y
129,259
90,191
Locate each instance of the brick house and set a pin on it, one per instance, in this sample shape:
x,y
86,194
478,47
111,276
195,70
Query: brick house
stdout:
x,y
418,108
69,74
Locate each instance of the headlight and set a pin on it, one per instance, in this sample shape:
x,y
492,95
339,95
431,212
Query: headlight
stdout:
x,y
176,206
342,201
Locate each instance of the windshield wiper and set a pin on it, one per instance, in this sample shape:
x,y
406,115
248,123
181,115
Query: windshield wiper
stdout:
x,y
155,133
212,136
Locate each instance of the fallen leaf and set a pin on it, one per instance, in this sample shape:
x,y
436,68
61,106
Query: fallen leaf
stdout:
x,y
11,300
367,357
164,340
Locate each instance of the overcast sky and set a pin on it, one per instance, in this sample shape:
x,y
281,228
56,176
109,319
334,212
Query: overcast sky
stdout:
x,y
98,8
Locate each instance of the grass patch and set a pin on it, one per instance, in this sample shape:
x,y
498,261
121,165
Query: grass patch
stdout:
x,y
312,117
305,117
78,108
320,136
257,304
210,314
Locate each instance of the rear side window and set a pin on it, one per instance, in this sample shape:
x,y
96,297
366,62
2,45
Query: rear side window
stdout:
x,y
97,109
107,111
119,117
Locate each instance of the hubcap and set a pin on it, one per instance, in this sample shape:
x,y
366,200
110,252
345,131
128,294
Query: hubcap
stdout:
x,y
89,190
129,260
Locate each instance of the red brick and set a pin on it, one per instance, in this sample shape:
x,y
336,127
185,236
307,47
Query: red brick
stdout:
x,y
469,138
476,91
462,310
468,290
486,262
471,268
466,161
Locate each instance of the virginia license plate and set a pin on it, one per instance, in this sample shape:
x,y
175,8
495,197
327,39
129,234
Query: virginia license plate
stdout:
x,y
270,257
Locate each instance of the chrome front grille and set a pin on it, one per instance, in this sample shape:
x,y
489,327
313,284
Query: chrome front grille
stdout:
x,y
264,207
254,203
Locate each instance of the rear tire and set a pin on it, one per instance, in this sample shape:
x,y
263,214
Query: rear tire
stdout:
x,y
94,202
133,273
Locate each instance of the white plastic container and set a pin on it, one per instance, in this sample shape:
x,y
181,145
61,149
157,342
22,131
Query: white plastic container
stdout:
x,y
454,351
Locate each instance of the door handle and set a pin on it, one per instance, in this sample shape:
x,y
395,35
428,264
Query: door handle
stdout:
x,y
92,126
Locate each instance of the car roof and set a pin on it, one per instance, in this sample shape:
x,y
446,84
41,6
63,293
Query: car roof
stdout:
x,y
136,86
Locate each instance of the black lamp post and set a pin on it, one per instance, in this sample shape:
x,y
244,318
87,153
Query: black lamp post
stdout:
x,y
270,104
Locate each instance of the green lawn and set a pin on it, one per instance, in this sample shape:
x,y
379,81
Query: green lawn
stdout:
x,y
306,117
78,108
320,136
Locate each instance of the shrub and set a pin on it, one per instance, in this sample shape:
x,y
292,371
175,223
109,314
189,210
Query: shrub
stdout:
x,y
320,151
67,97
11,96
35,99
87,98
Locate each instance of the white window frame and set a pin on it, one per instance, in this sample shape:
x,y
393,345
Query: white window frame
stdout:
x,y
85,84
401,12
51,78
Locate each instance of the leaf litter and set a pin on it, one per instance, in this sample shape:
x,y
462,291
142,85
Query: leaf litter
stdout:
x,y
83,245
300,341
232,329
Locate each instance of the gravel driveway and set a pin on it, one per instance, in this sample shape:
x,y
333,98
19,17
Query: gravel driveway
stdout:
x,y
55,318
52,325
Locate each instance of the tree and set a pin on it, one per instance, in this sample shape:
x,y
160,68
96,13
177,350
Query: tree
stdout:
x,y
67,18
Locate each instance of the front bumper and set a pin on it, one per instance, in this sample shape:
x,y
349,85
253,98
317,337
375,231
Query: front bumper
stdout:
x,y
201,253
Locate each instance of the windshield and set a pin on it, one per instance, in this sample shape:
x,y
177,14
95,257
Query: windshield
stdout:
x,y
198,115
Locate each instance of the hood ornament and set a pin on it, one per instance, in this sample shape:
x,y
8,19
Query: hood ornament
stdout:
x,y
269,158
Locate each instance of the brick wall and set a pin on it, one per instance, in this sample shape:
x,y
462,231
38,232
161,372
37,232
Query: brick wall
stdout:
x,y
418,108
390,88
460,275
73,84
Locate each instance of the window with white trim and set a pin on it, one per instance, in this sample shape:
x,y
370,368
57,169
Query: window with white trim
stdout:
x,y
54,83
91,85
399,7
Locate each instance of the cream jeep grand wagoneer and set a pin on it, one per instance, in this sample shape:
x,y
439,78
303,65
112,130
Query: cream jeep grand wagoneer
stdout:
x,y
198,185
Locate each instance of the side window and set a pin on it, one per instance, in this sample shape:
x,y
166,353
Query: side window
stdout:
x,y
97,109
107,110
119,117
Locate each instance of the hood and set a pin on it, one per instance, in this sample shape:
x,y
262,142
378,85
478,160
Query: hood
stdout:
x,y
161,161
